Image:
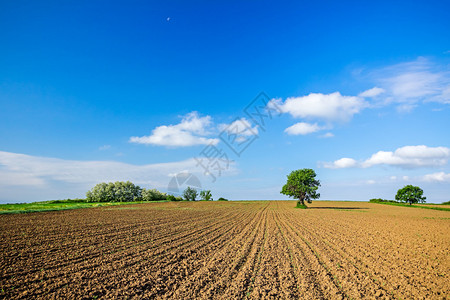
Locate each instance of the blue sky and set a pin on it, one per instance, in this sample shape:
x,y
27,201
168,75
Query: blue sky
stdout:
x,y
95,91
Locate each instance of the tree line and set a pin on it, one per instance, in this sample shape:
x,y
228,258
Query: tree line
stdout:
x,y
121,191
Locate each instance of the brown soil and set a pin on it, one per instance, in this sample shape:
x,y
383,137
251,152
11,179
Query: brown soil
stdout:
x,y
227,250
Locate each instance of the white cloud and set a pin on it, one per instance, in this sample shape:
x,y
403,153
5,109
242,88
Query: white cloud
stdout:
x,y
437,177
302,128
415,81
51,177
190,132
342,163
373,92
240,126
328,107
405,157
406,108
371,181
32,170
327,135
104,147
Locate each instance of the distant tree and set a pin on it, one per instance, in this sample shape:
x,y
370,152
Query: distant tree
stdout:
x,y
127,192
171,198
153,195
118,191
190,194
206,195
222,199
302,185
100,193
410,194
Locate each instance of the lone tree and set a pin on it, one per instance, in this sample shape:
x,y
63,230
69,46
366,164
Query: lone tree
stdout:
x,y
302,185
190,194
410,194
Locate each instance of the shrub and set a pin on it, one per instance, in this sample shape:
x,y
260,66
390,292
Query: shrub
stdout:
x,y
76,200
171,198
126,192
222,199
379,200
302,206
121,191
153,195
114,192
102,192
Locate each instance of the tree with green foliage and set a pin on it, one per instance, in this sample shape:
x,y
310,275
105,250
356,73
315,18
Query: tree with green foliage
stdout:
x,y
302,185
118,191
190,194
153,195
206,195
127,192
410,194
222,199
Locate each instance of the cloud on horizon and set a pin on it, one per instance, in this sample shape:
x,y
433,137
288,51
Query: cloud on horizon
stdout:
x,y
20,172
437,177
405,157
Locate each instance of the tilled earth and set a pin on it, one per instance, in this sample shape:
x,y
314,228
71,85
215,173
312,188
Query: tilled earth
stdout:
x,y
227,250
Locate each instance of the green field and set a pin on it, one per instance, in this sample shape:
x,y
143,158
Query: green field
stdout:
x,y
443,206
56,205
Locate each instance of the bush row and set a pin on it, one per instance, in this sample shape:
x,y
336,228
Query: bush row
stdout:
x,y
121,191
379,200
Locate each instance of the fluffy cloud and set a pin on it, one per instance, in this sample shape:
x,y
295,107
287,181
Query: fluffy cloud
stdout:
x,y
406,85
342,163
405,157
302,128
190,132
437,177
27,170
327,107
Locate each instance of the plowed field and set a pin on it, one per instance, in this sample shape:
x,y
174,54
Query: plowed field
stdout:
x,y
227,250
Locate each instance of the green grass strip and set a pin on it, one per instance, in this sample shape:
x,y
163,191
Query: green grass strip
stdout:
x,y
413,205
55,205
